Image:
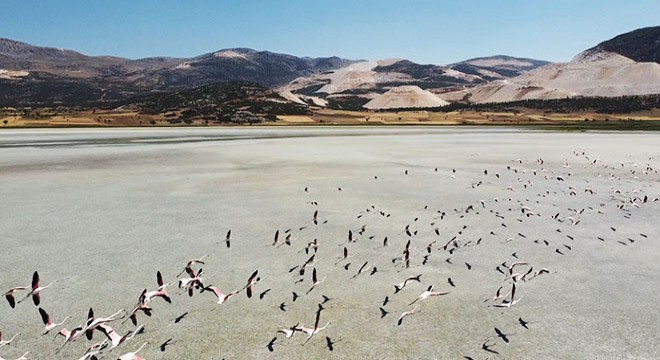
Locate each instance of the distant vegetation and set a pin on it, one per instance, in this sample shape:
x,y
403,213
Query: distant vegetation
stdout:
x,y
601,105
353,103
229,102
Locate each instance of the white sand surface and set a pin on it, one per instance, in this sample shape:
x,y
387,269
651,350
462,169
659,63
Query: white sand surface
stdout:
x,y
101,210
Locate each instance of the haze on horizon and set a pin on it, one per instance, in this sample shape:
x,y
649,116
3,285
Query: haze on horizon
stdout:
x,y
424,31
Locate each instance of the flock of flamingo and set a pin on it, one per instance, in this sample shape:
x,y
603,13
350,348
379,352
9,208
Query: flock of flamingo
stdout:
x,y
405,257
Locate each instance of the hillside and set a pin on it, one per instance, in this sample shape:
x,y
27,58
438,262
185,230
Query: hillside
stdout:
x,y
618,67
497,67
641,45
227,102
92,80
353,86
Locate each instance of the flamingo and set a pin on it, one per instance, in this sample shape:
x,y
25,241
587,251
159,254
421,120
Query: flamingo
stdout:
x,y
312,245
404,314
140,307
251,281
116,339
23,357
290,331
276,238
218,293
9,295
405,282
161,292
94,322
36,289
6,342
508,304
307,263
133,355
315,281
428,293
48,324
192,262
70,336
514,265
90,355
316,329
498,295
345,255
362,269
194,281
228,239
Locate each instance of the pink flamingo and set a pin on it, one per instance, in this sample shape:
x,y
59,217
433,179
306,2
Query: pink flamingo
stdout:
x,y
161,292
428,293
133,355
116,339
192,262
9,295
219,294
36,289
404,314
6,342
48,324
315,281
251,281
316,329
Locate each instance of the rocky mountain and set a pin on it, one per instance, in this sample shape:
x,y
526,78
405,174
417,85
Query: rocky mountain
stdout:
x,y
42,75
626,65
416,85
641,45
497,67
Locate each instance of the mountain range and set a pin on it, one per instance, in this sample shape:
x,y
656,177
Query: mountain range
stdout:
x,y
41,76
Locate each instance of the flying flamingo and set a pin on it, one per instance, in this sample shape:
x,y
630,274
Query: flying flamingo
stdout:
x,y
314,244
192,262
276,238
428,293
218,293
36,289
362,269
23,357
6,342
90,355
94,322
228,239
405,282
251,281
315,281
161,292
146,309
404,314
133,355
514,265
345,255
70,336
48,324
9,295
116,339
508,304
290,331
307,263
316,329
194,281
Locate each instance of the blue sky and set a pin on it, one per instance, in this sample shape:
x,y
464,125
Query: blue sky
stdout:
x,y
425,31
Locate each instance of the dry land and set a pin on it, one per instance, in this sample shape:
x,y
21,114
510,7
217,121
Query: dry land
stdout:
x,y
102,210
54,117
